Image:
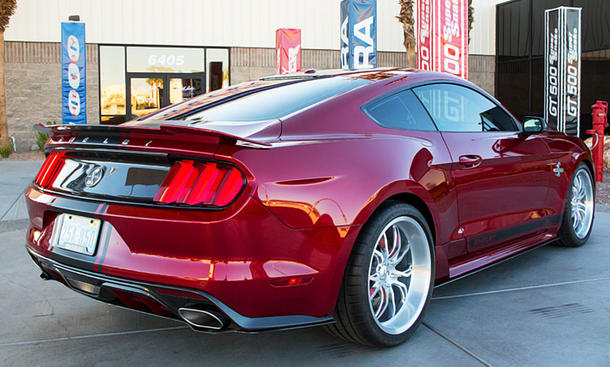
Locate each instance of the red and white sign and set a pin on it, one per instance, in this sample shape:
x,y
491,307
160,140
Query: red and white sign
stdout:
x,y
442,36
288,50
425,52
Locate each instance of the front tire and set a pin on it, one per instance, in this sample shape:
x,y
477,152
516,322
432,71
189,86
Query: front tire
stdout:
x,y
388,280
579,209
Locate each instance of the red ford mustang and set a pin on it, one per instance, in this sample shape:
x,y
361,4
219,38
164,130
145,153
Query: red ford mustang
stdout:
x,y
319,198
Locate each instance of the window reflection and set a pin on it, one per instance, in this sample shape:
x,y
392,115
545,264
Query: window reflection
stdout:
x,y
112,80
183,88
457,108
146,95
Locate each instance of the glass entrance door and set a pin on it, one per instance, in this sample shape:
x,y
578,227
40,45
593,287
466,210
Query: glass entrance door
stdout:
x,y
150,92
184,88
146,95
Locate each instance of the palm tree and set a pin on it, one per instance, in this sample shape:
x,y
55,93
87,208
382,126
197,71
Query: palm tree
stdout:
x,y
7,8
407,20
470,18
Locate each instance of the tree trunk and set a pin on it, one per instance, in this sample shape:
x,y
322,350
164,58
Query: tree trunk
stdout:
x,y
4,139
406,18
411,60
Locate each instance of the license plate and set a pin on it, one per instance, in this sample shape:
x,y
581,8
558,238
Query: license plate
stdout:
x,y
76,233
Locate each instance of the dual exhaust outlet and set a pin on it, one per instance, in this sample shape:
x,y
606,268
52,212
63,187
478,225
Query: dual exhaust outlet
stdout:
x,y
203,319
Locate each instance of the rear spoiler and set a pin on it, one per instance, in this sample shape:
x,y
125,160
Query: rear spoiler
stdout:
x,y
73,132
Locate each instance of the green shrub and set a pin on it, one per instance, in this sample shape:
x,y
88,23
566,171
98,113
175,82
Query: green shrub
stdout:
x,y
41,138
6,150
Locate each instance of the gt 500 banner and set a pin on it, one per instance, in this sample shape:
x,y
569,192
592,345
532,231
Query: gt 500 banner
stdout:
x,y
358,34
562,69
442,36
73,82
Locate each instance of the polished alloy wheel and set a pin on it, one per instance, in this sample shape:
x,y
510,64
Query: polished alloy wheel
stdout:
x,y
582,203
399,275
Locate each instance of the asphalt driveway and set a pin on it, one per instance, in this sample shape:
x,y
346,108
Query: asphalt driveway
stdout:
x,y
548,307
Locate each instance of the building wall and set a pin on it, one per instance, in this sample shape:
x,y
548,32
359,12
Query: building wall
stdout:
x,y
253,63
229,23
32,74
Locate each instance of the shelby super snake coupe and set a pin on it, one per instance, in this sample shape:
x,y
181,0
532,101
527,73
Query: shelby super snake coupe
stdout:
x,y
337,199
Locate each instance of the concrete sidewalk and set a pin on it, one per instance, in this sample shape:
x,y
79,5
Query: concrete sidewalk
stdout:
x,y
15,176
550,307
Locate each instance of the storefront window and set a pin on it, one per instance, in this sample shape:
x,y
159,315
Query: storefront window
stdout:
x,y
139,80
218,68
112,82
165,60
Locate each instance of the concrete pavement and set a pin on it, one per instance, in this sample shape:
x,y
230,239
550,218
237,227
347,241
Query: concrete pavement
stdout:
x,y
14,177
548,307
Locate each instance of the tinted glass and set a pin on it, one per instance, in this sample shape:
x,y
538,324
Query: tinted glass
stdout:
x,y
217,60
457,108
400,111
279,101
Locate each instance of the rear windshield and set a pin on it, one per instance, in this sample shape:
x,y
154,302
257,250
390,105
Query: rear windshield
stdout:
x,y
280,101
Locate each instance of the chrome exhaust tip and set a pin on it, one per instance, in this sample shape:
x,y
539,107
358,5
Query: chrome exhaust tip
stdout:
x,y
202,319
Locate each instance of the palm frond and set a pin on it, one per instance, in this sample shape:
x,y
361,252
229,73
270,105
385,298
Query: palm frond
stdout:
x,y
470,18
7,8
406,18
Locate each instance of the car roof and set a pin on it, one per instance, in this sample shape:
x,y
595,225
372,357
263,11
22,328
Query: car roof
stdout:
x,y
313,73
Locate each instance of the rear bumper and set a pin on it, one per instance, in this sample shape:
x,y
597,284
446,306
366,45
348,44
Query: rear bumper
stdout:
x,y
163,300
244,257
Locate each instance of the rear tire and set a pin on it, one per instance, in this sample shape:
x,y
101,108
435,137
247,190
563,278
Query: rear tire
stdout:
x,y
389,279
579,211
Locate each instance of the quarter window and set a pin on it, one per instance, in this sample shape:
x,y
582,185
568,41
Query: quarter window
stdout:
x,y
400,111
457,108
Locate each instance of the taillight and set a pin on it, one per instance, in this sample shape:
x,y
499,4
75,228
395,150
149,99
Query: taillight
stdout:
x,y
200,183
50,169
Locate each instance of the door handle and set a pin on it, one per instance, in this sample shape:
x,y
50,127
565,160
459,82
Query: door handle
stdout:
x,y
470,160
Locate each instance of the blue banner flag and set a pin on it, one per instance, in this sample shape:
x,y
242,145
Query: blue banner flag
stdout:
x,y
358,34
73,82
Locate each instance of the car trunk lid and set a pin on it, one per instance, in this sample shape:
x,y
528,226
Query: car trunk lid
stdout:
x,y
155,164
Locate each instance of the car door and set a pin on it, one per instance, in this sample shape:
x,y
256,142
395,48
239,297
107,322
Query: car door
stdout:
x,y
426,158
500,174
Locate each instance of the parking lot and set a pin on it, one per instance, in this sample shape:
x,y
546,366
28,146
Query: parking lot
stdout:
x,y
550,307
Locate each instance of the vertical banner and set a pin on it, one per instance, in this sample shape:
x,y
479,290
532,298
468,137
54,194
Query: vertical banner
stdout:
x,y
73,82
288,50
442,36
451,35
358,34
562,45
425,53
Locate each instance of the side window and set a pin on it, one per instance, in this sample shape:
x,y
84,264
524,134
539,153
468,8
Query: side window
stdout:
x,y
457,108
400,111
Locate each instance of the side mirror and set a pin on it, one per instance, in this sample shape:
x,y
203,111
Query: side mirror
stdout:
x,y
533,125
